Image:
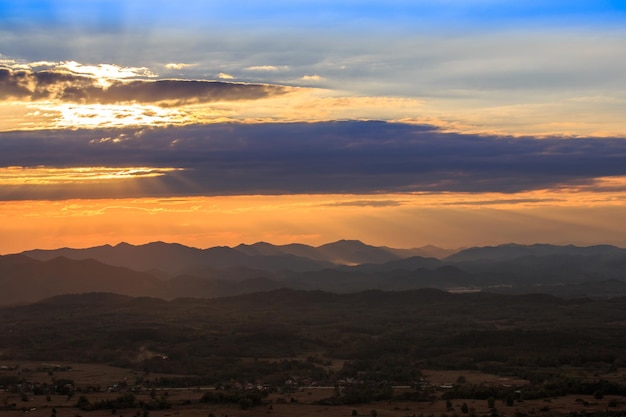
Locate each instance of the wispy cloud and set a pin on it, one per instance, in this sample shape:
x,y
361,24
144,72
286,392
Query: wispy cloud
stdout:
x,y
178,66
46,176
268,68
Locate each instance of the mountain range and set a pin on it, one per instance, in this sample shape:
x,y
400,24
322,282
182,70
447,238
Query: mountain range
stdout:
x,y
170,270
173,258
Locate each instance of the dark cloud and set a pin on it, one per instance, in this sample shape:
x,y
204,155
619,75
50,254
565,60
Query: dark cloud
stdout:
x,y
331,157
69,87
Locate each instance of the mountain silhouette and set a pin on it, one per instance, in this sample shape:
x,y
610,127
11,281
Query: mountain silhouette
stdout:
x,y
174,258
514,251
170,270
26,280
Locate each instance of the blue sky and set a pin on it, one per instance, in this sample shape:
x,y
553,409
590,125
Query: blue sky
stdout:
x,y
311,12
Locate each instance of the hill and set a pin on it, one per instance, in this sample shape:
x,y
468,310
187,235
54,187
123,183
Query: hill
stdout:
x,y
345,266
174,258
423,327
25,280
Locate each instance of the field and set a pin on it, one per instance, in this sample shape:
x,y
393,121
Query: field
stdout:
x,y
303,401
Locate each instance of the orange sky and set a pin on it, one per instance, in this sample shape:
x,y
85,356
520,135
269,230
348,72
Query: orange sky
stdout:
x,y
398,220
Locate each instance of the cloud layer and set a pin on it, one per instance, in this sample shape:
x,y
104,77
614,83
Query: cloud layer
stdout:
x,y
28,85
301,158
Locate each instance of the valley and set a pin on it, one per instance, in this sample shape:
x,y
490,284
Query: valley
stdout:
x,y
399,353
295,330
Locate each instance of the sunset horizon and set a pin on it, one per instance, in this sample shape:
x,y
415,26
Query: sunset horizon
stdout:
x,y
400,124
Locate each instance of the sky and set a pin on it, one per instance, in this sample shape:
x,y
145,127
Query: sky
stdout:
x,y
398,123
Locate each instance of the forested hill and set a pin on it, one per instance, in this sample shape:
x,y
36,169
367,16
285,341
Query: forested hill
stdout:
x,y
425,327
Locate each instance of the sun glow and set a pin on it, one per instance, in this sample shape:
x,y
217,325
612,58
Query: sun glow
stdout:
x,y
45,175
305,105
103,115
106,71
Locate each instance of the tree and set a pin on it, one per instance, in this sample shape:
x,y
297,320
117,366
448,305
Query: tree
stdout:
x,y
83,403
449,406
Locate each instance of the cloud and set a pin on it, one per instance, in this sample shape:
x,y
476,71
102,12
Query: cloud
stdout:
x,y
268,68
224,76
185,92
178,66
311,78
107,71
102,71
40,175
309,158
60,86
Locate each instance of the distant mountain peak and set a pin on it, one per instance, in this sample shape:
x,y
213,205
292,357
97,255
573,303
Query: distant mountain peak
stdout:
x,y
346,242
352,242
259,244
